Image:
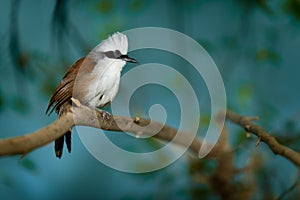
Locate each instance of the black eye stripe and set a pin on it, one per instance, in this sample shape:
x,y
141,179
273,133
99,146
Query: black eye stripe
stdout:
x,y
117,55
113,54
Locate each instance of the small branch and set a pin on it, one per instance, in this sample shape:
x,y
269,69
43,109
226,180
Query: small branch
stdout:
x,y
263,136
289,190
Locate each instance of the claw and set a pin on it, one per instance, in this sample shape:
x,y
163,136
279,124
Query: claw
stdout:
x,y
76,102
105,115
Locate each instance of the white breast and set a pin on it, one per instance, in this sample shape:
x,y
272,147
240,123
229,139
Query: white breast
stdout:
x,y
105,86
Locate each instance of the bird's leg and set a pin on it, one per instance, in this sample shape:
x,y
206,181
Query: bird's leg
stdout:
x,y
104,114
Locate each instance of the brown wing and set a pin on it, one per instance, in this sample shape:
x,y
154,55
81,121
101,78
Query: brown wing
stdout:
x,y
64,90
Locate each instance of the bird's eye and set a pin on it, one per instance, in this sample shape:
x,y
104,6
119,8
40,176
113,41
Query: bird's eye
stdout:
x,y
117,53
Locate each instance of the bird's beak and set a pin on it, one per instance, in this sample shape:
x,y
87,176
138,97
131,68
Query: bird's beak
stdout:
x,y
128,59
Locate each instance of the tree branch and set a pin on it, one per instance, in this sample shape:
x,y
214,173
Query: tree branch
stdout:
x,y
274,145
85,116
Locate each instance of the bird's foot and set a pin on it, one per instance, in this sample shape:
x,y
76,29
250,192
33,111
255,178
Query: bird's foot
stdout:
x,y
105,115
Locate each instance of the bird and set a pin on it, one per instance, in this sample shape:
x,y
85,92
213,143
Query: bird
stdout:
x,y
93,80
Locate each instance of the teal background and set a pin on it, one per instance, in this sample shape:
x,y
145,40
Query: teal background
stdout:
x,y
255,45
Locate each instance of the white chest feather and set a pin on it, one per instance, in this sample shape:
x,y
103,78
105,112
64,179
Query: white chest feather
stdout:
x,y
105,85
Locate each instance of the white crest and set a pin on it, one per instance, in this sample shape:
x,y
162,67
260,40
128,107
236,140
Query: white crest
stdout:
x,y
117,41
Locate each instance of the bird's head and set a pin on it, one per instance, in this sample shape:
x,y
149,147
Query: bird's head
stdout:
x,y
114,47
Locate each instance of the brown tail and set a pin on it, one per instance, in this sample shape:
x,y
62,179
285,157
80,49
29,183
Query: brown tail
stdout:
x,y
59,144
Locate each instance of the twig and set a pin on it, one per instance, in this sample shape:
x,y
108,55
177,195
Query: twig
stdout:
x,y
263,136
290,189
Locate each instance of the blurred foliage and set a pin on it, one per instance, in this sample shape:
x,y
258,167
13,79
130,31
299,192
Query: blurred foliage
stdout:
x,y
192,5
245,93
266,175
23,59
1,100
263,5
110,28
292,7
241,137
7,181
204,119
45,71
64,30
136,5
289,134
203,191
267,55
20,104
268,113
109,6
14,43
104,6
206,44
290,126
28,164
230,42
201,166
48,87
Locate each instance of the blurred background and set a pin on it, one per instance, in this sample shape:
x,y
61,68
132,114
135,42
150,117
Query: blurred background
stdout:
x,y
254,43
